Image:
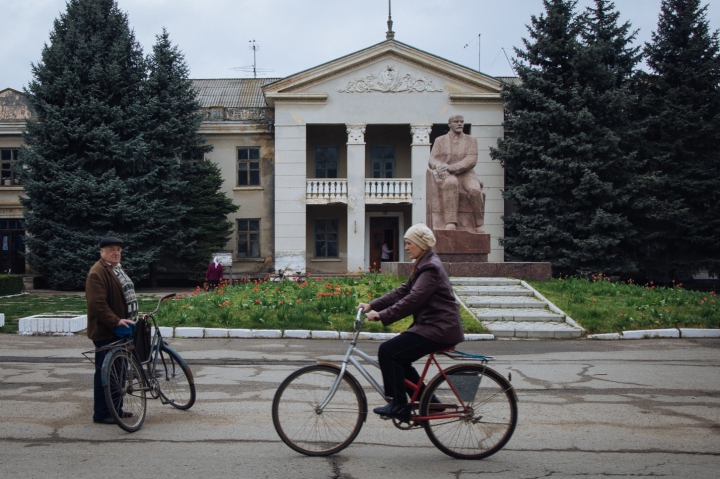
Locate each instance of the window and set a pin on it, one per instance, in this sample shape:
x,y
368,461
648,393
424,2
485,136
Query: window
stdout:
x,y
248,239
326,162
8,158
248,166
382,161
326,238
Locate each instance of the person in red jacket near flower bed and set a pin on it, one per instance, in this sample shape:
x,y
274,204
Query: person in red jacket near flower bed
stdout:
x,y
214,273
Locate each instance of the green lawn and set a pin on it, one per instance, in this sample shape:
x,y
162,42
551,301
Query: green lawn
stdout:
x,y
316,305
602,306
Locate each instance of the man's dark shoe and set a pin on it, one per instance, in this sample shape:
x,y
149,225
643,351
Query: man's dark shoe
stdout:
x,y
125,414
105,420
394,411
436,404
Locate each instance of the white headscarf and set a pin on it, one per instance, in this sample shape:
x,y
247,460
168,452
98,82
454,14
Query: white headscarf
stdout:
x,y
421,235
215,260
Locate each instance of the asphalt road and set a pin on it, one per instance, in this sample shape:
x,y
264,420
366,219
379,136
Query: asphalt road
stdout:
x,y
648,408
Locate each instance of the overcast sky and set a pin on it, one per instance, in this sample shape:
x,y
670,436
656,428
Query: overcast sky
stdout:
x,y
295,35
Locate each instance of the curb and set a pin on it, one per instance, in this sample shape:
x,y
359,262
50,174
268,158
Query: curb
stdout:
x,y
196,333
659,333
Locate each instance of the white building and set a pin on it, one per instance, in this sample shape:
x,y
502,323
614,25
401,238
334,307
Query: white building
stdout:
x,y
329,163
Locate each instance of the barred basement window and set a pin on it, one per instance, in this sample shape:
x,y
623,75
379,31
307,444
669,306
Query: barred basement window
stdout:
x,y
248,238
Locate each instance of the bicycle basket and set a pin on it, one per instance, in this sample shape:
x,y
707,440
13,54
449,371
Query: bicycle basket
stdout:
x,y
466,385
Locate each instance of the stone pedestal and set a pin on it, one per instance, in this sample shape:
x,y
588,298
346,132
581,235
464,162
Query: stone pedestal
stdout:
x,y
462,246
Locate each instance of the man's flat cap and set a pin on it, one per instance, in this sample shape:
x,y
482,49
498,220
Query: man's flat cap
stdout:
x,y
111,240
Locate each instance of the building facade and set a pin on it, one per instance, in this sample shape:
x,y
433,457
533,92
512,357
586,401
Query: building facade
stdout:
x,y
330,163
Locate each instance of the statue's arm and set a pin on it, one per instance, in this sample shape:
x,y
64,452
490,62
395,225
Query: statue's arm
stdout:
x,y
436,154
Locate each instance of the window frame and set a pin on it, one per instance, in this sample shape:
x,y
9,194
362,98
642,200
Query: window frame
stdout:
x,y
384,162
337,161
252,165
14,153
246,235
326,231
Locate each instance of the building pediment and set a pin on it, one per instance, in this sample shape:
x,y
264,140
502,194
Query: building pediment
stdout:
x,y
390,67
13,106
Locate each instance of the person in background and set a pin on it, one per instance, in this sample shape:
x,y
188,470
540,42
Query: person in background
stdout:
x,y
429,297
214,273
386,252
111,303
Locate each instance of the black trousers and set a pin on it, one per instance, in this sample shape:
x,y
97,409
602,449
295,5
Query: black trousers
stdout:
x,y
100,407
396,357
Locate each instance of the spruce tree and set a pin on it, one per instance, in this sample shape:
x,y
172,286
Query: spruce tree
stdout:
x,y
563,155
208,229
86,169
171,131
681,152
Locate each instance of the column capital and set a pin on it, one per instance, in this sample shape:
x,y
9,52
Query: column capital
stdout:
x,y
356,133
420,133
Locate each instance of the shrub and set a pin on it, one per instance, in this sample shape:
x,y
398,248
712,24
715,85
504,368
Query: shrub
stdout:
x,y
10,284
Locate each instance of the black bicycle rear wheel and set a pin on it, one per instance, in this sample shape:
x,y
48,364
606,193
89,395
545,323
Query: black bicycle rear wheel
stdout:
x,y
176,382
125,391
476,411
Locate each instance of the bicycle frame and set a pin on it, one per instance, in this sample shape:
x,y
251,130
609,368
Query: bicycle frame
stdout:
x,y
350,358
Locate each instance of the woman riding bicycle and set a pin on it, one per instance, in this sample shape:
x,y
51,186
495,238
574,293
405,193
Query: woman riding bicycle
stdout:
x,y
428,296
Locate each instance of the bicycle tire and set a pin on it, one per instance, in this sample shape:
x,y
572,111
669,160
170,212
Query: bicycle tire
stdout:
x,y
174,379
491,403
314,433
125,391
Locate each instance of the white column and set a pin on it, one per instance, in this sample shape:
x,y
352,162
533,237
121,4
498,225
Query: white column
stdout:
x,y
419,157
290,210
356,196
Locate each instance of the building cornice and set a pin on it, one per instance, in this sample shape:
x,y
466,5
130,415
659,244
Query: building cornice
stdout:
x,y
318,98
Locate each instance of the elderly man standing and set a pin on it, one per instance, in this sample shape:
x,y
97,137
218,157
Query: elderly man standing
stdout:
x,y
111,303
452,162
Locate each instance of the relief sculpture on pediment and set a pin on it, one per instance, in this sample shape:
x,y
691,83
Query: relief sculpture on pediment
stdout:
x,y
13,106
390,81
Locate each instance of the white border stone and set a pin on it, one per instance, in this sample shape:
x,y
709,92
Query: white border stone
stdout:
x,y
651,333
216,332
2,320
296,333
479,337
267,333
188,332
240,333
325,335
699,333
605,336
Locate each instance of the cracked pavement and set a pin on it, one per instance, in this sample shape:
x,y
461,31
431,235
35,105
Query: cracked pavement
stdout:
x,y
586,409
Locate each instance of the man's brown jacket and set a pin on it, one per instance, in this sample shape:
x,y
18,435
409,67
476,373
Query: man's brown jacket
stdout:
x,y
105,302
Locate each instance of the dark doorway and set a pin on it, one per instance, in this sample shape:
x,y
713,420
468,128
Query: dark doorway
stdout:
x,y
12,246
383,230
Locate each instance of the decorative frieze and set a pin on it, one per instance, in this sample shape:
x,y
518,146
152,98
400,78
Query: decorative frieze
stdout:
x,y
421,133
356,133
237,114
390,81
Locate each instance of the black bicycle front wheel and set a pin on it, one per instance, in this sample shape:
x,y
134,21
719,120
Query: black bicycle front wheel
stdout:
x,y
475,408
175,380
125,391
307,429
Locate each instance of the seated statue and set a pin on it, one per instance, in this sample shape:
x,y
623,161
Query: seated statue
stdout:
x,y
452,162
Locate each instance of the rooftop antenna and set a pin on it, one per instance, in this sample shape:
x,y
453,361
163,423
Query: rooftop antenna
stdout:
x,y
253,68
509,62
469,43
389,35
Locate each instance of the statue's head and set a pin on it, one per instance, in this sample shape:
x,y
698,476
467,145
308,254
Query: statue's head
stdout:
x,y
456,123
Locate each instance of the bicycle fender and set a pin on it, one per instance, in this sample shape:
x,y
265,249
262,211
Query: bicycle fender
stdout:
x,y
104,373
349,375
191,378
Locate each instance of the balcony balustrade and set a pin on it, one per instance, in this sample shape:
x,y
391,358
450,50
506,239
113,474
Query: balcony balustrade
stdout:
x,y
388,190
322,191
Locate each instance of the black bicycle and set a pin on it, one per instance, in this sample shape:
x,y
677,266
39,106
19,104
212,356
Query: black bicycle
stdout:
x,y
128,379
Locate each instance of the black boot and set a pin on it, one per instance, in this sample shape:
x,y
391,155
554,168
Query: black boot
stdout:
x,y
400,412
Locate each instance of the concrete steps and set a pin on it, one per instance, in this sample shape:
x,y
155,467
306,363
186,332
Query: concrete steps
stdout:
x,y
512,308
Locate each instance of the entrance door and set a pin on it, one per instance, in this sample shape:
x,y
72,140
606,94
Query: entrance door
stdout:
x,y
12,246
383,230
